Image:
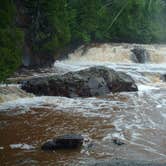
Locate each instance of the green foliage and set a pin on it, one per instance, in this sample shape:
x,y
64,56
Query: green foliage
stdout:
x,y
11,39
140,21
56,23
89,18
53,24
48,30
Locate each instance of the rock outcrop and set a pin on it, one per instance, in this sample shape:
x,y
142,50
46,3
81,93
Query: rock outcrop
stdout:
x,y
140,55
94,81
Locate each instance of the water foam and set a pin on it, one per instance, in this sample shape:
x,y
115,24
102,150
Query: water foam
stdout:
x,y
116,53
118,57
22,146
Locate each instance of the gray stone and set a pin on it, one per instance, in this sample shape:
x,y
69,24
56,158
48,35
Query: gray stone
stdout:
x,y
94,81
140,55
69,141
163,77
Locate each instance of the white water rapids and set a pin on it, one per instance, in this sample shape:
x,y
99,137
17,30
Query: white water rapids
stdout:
x,y
136,118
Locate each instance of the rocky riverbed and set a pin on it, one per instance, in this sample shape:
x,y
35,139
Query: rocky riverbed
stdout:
x,y
116,127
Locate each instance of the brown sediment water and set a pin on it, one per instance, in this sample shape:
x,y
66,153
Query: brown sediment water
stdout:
x,y
137,119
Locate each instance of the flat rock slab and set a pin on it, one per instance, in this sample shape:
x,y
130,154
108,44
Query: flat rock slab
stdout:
x,y
69,141
94,81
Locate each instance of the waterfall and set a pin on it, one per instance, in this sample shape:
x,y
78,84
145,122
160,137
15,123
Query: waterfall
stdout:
x,y
137,119
117,53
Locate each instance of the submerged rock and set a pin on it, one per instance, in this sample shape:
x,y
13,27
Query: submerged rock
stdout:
x,y
69,141
140,55
49,146
117,141
94,81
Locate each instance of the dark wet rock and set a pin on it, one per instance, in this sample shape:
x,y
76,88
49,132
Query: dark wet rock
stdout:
x,y
69,141
117,141
163,77
124,163
94,81
140,55
49,146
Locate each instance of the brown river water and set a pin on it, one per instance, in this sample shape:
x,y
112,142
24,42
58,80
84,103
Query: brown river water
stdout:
x,y
138,119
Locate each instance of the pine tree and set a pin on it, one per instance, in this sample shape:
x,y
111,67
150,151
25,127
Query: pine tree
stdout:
x,y
47,31
11,39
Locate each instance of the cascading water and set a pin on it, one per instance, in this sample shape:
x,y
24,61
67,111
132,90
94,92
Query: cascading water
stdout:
x,y
138,119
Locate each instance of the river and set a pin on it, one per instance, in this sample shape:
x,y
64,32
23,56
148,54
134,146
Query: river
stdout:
x,y
138,119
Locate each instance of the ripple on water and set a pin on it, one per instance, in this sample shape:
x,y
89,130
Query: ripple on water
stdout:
x,y
135,118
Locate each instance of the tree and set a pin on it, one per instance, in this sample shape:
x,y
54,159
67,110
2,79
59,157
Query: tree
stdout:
x,y
88,19
138,21
47,31
51,25
11,39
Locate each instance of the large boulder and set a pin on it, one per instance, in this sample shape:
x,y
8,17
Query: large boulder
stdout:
x,y
94,81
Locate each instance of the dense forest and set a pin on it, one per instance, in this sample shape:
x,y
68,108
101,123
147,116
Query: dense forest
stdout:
x,y
41,29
